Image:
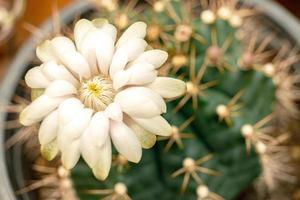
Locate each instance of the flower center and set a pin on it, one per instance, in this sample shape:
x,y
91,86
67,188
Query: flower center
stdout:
x,y
97,93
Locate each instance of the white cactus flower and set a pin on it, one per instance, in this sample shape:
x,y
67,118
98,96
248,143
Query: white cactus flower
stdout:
x,y
98,90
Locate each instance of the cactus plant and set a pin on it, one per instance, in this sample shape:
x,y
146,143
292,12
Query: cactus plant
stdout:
x,y
222,128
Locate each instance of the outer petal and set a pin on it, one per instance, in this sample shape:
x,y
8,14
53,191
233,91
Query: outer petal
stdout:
x,y
136,30
35,78
64,48
60,88
68,109
97,157
99,129
38,109
70,154
137,74
146,138
58,72
154,57
102,167
126,142
94,43
50,150
156,125
74,128
110,30
114,112
81,28
168,87
126,53
49,128
131,98
104,53
45,52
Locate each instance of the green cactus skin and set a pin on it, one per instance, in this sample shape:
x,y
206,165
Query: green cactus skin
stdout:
x,y
237,169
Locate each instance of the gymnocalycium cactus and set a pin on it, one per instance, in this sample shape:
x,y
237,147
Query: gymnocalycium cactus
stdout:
x,y
220,139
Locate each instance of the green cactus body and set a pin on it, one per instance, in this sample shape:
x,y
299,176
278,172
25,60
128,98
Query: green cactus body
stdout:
x,y
236,169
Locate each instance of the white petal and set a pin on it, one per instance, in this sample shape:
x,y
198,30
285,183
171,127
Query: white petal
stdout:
x,y
154,57
110,30
104,53
156,125
140,102
35,78
126,53
60,88
48,129
137,74
118,63
114,112
74,128
80,30
98,129
70,154
68,109
126,142
45,52
168,87
38,109
102,167
121,79
88,49
58,72
97,157
50,150
141,73
64,48
146,138
136,30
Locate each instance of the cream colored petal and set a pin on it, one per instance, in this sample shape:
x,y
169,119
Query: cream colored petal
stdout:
x,y
137,74
60,88
146,138
126,53
154,57
114,112
68,109
38,109
49,128
156,125
58,72
70,154
141,73
50,150
74,129
136,30
45,52
102,167
88,49
64,48
81,28
140,102
125,141
35,78
118,63
110,30
168,87
104,53
121,79
99,129
97,157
